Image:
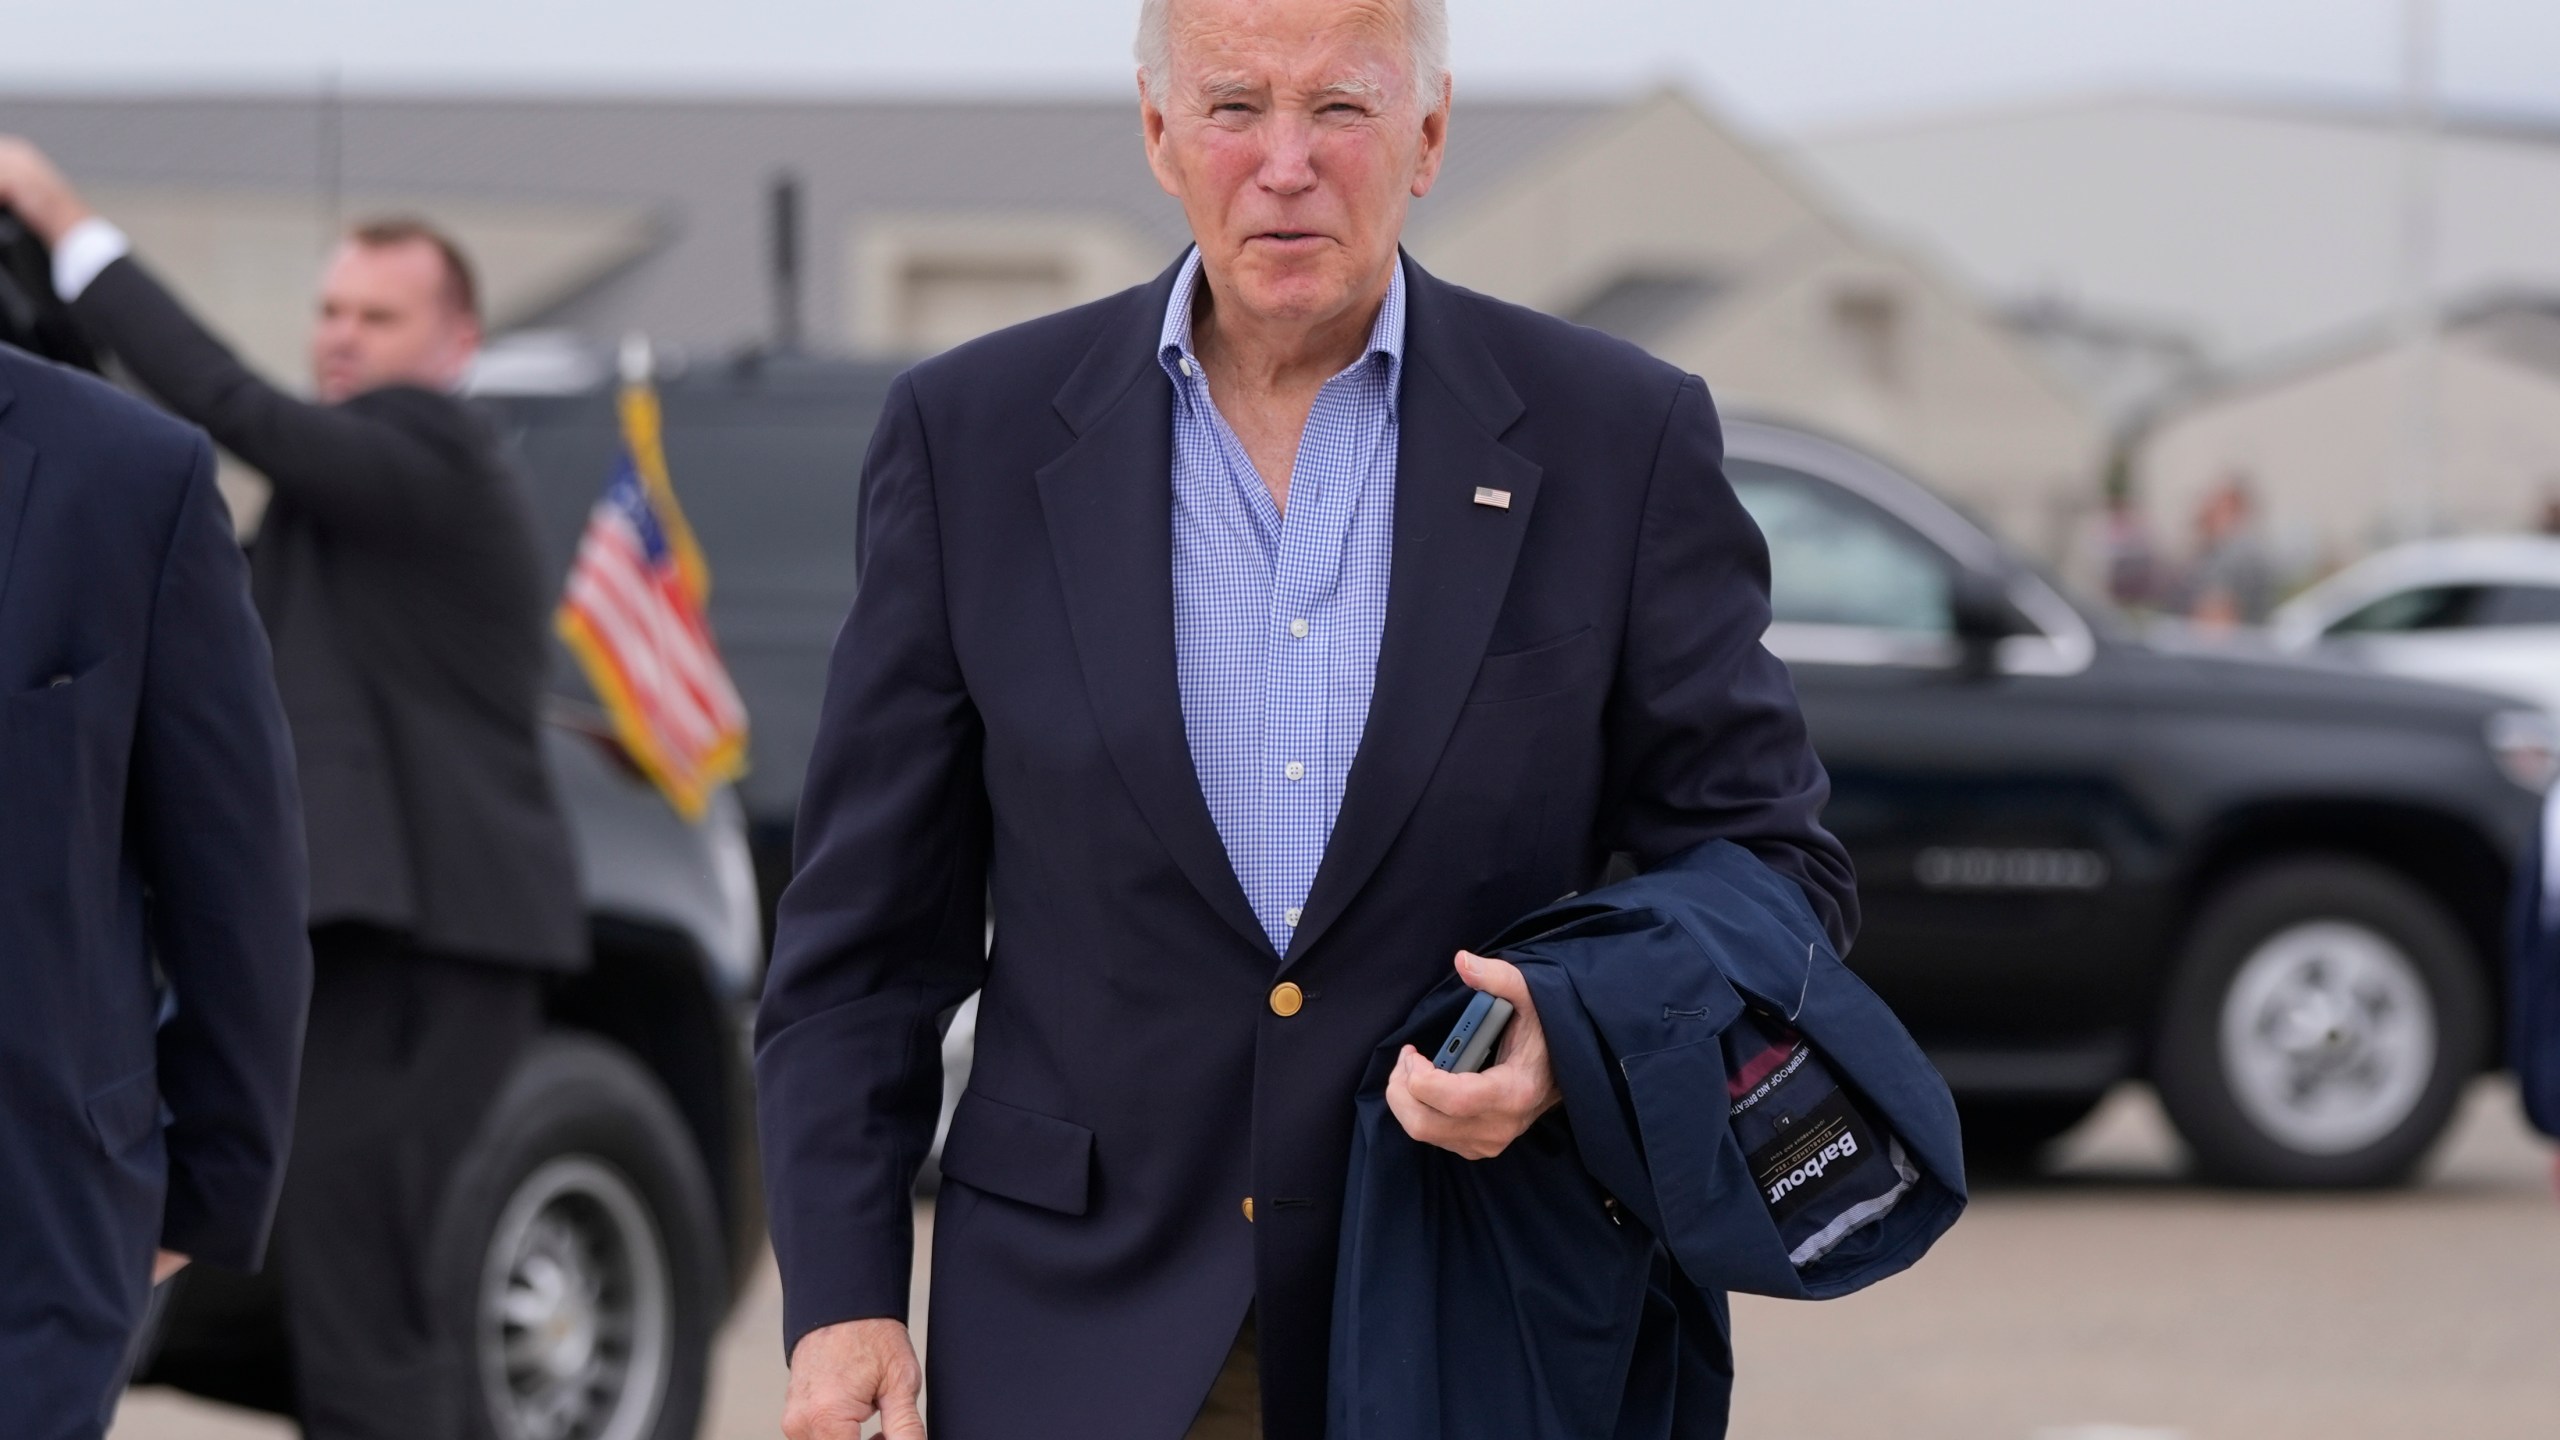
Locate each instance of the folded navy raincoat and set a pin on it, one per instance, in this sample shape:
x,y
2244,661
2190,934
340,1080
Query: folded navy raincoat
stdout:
x,y
1574,1285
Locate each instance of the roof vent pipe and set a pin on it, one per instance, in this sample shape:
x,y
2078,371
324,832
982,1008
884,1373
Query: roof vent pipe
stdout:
x,y
784,259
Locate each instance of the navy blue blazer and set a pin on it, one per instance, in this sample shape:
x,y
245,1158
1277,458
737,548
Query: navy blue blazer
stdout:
x,y
147,811
1578,674
1572,1287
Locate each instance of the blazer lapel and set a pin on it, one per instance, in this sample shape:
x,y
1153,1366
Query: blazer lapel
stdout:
x,y
1109,505
17,482
1446,583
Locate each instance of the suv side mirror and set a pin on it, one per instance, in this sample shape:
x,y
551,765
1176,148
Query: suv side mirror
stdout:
x,y
1979,609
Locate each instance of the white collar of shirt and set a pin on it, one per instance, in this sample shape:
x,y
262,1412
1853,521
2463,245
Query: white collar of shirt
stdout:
x,y
1386,334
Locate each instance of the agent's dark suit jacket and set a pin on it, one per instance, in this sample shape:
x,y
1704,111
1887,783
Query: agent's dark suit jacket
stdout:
x,y
147,811
399,578
1577,674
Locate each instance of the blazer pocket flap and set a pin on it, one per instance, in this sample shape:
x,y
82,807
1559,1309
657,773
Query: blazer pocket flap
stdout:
x,y
1019,1154
1541,669
126,1113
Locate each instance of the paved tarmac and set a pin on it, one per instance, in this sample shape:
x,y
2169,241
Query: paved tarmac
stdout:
x,y
2108,1301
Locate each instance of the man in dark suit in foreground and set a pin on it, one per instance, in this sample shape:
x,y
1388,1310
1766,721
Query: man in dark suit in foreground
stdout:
x,y
1255,638
397,572
147,814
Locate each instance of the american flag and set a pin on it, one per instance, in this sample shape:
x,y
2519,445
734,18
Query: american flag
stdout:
x,y
635,616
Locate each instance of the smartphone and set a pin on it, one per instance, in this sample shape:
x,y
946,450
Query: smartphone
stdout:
x,y
1470,1042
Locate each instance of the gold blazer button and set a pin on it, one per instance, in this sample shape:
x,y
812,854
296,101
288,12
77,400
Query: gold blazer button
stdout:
x,y
1287,999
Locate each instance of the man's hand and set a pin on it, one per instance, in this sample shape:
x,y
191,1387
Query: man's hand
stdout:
x,y
166,1264
1479,1115
31,186
842,1375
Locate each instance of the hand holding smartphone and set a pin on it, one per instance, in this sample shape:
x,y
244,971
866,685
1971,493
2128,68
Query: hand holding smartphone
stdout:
x,y
1469,1047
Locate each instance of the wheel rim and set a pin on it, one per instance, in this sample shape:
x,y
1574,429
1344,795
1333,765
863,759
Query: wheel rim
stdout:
x,y
575,1309
2328,1036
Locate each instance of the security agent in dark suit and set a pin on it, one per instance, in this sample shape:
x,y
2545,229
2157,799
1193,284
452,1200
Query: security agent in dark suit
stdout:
x,y
398,576
147,823
1546,649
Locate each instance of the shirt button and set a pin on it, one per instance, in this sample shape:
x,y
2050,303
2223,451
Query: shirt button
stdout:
x,y
1287,999
1187,367
1294,770
1298,628
1291,915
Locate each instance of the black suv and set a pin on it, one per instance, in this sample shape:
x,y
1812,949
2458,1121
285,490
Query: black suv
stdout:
x,y
2274,890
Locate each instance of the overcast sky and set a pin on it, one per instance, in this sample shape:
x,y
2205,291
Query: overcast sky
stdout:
x,y
1777,64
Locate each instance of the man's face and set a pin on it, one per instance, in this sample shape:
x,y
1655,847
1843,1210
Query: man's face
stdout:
x,y
387,318
1291,132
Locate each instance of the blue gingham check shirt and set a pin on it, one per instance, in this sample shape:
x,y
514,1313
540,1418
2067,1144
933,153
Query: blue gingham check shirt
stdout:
x,y
1277,618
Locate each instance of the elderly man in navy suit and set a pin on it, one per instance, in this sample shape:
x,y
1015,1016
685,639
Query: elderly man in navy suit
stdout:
x,y
1252,640
153,969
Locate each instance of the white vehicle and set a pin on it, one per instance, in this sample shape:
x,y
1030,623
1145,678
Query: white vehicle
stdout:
x,y
2482,612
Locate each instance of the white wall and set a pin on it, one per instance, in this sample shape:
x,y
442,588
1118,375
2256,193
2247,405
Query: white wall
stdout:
x,y
2325,451
1956,396
1958,402
2250,227
1660,185
921,283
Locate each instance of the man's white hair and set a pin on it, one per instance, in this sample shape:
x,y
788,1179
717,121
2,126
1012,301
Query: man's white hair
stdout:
x,y
1426,29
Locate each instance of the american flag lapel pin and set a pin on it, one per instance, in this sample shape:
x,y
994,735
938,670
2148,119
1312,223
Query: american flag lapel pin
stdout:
x,y
1497,499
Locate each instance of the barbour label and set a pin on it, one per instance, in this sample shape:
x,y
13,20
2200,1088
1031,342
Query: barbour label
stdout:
x,y
1809,1154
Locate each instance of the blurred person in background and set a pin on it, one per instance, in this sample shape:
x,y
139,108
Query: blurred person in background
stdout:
x,y
151,865
398,577
1153,592
2121,555
2231,581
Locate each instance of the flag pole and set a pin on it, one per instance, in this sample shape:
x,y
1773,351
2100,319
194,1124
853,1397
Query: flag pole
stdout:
x,y
2418,510
636,359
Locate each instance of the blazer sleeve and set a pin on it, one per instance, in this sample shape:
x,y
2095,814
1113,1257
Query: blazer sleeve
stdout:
x,y
219,824
380,462
882,931
1706,742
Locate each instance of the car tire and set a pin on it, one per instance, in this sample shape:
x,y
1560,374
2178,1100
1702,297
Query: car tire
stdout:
x,y
2007,1137
579,1255
2324,1018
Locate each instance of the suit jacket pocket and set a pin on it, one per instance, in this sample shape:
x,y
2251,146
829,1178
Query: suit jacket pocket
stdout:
x,y
40,723
126,1114
41,760
35,723
1019,1154
1541,669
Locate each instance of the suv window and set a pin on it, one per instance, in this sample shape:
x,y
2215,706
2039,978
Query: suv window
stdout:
x,y
2521,605
1837,559
2428,607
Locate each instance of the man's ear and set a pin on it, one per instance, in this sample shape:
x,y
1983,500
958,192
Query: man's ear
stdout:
x,y
1151,130
1435,141
463,347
